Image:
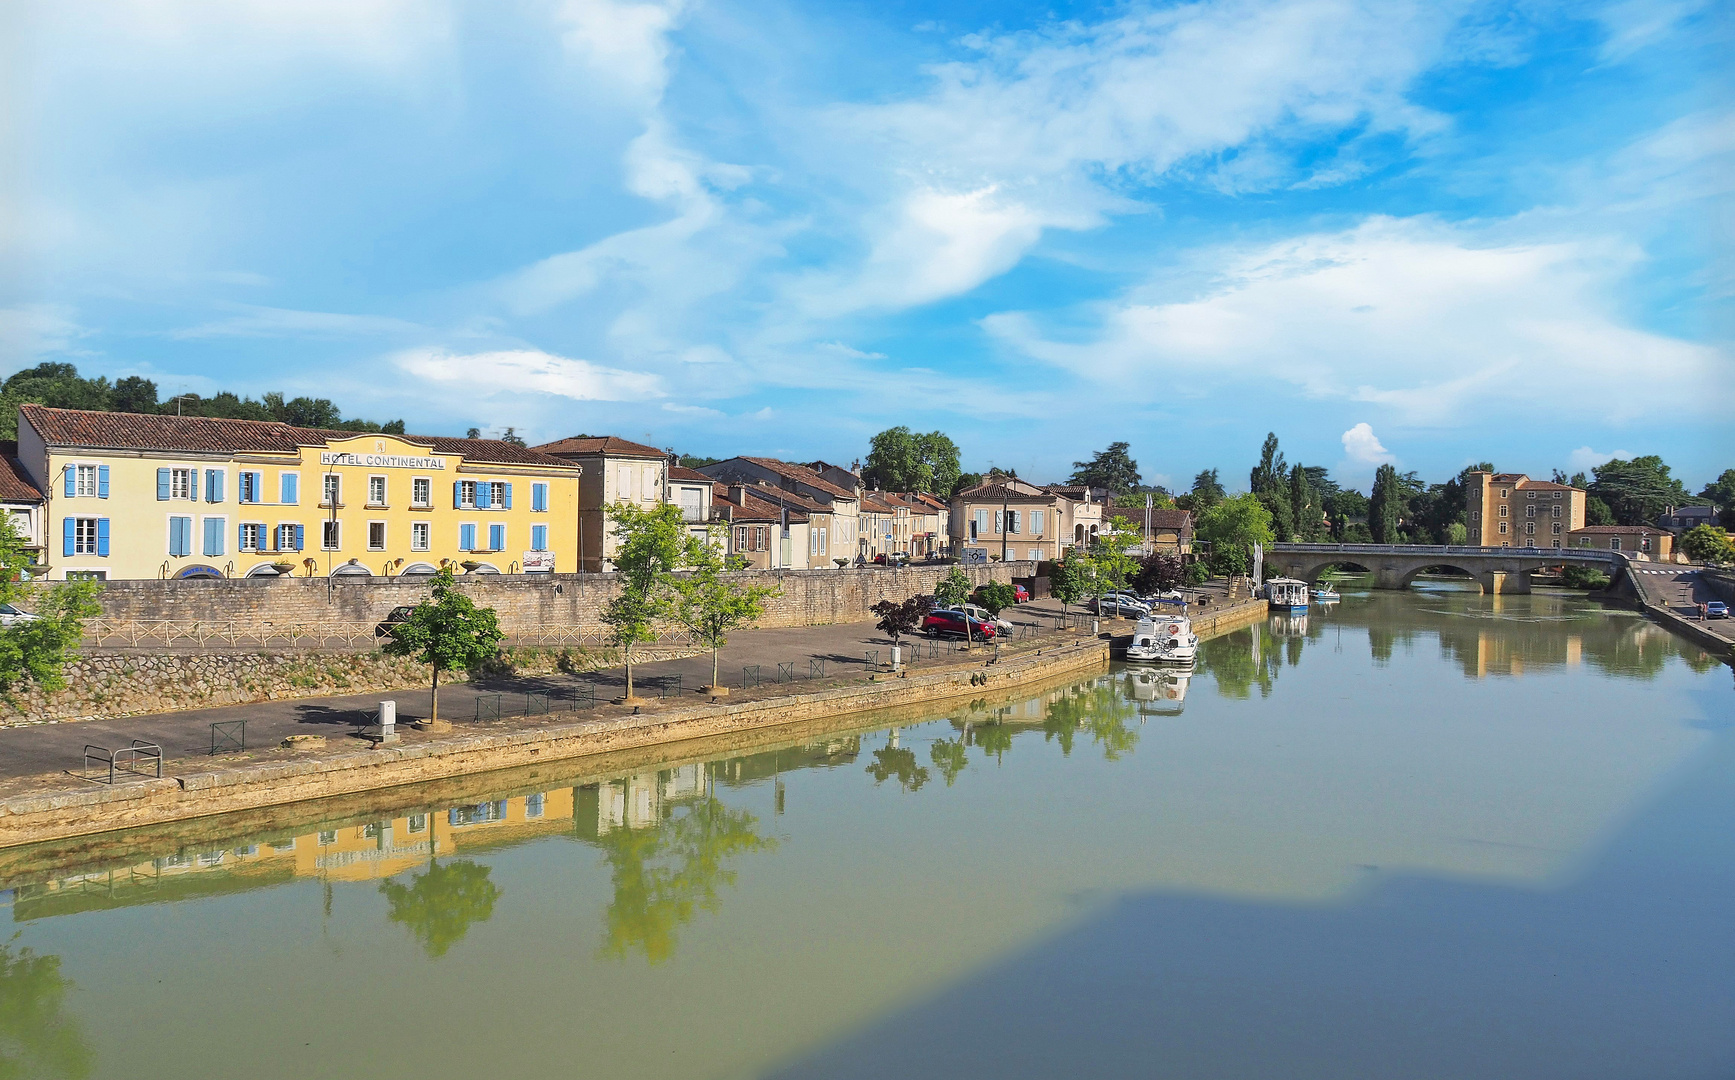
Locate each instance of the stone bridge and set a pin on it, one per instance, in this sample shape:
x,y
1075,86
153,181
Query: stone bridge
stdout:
x,y
1394,566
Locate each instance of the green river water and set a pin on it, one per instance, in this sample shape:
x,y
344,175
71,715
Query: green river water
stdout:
x,y
1430,834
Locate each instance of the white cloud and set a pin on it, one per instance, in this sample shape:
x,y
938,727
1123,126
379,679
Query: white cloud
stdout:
x,y
1362,454
283,322
1585,459
529,371
1634,24
1430,320
28,331
625,44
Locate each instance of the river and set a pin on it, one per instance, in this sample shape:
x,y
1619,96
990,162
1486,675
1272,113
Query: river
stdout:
x,y
1430,834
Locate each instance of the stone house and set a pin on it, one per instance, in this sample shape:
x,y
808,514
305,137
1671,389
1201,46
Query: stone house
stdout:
x,y
1011,519
615,470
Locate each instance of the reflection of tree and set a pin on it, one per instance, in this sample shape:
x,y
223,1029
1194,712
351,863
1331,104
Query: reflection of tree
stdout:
x,y
993,739
1236,664
1099,708
899,762
441,902
37,1038
1062,721
948,757
662,875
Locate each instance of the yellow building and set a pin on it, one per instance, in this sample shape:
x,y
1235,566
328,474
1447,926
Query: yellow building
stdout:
x,y
129,495
1512,510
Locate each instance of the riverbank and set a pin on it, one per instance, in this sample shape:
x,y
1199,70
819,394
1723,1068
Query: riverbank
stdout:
x,y
1715,637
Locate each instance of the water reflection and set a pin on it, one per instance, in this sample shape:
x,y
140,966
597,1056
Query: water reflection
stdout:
x,y
439,904
37,1036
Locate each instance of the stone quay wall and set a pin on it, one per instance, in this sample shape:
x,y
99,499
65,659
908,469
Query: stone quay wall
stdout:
x,y
523,602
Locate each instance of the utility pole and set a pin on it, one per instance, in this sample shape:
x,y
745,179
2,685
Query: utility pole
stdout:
x,y
1005,519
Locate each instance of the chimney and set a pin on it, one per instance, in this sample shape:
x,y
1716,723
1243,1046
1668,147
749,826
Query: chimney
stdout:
x,y
738,494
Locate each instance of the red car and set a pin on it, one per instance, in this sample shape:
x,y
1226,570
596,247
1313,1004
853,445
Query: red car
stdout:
x,y
1020,595
948,623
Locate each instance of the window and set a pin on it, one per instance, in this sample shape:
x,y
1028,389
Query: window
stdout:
x,y
84,536
999,522
418,823
822,541
813,542
214,530
376,536
624,482
180,537
539,498
250,536
648,492
466,538
500,495
740,538
533,805
290,537
421,491
1530,511
1530,494
376,491
1036,523
333,490
496,538
1584,541
84,481
761,538
419,533
183,483
1557,511
1012,521
1035,554
1557,494
1555,528
538,538
1530,527
1502,528
1502,511
1555,544
289,488
331,535
1475,515
466,494
1505,492
1614,543
327,837
981,525
250,485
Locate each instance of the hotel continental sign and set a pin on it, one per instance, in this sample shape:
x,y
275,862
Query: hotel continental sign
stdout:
x,y
141,496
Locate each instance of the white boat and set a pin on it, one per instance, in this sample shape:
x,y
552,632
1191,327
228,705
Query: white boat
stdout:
x,y
1168,639
1160,693
1325,594
1286,594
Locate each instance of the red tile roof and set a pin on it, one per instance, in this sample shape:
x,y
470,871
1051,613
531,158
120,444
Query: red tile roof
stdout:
x,y
207,434
755,509
1179,522
692,476
1003,493
15,485
601,444
801,474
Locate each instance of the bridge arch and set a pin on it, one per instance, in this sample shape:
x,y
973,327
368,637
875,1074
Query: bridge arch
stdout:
x,y
1409,577
1310,574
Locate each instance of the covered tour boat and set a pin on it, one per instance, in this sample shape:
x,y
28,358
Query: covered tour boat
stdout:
x,y
1286,594
1164,639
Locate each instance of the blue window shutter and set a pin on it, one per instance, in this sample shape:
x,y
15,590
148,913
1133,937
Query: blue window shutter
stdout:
x,y
71,530
457,494
496,538
181,536
238,529
300,537
102,537
102,481
484,493
508,491
538,497
71,482
217,478
287,493
162,485
538,538
466,537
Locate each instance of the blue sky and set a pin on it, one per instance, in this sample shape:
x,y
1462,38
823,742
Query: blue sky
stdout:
x,y
1429,233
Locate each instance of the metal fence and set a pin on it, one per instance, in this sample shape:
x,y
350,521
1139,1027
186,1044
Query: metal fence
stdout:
x,y
125,760
242,634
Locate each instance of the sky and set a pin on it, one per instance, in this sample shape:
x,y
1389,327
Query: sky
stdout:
x,y
1427,233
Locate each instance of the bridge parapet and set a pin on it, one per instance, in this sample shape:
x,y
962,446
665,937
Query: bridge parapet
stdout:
x,y
1498,569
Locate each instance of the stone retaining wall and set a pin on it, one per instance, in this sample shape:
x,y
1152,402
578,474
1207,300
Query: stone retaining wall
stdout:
x,y
522,601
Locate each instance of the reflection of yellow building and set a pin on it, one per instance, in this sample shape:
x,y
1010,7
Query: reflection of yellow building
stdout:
x,y
141,496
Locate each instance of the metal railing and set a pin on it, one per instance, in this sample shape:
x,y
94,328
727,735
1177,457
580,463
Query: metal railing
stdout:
x,y
125,760
1581,554
238,633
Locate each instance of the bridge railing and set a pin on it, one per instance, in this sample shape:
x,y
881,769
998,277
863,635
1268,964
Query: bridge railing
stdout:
x,y
1579,554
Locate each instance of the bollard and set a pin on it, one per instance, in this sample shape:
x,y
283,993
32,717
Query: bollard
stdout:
x,y
388,722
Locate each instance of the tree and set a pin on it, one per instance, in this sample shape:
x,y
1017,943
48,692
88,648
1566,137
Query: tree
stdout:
x,y
1344,507
966,481
1705,544
39,1036
1269,482
1721,494
650,544
1232,527
35,651
709,606
901,460
1305,503
446,632
1110,566
441,903
1637,491
1384,506
1113,469
1207,491
996,596
1070,580
900,617
511,437
953,589
1159,572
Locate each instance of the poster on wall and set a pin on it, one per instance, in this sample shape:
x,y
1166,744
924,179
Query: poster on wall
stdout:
x,y
539,562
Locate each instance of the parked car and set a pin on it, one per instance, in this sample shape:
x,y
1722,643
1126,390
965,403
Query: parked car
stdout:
x,y
946,622
1119,605
11,616
980,614
398,615
1020,595
1716,609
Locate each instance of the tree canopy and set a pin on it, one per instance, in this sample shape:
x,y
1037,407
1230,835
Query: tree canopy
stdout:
x,y
651,543
710,606
1637,491
902,460
35,651
59,385
1232,527
1721,494
441,903
446,632
1113,468
1269,483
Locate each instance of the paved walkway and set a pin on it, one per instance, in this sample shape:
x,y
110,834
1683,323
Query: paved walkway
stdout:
x,y
37,756
1680,590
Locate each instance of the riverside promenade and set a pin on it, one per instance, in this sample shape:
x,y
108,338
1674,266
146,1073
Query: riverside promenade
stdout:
x,y
790,675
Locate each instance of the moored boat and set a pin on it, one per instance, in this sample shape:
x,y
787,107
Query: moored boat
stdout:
x,y
1168,639
1325,594
1286,594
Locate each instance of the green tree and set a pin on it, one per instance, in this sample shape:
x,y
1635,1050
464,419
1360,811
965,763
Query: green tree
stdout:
x,y
1705,544
901,460
953,589
710,606
441,903
1385,506
1207,491
446,632
1637,491
1232,527
38,1036
650,545
1159,572
996,596
1110,567
35,651
1269,483
1113,468
966,481
1304,501
1721,494
1345,506
1071,578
